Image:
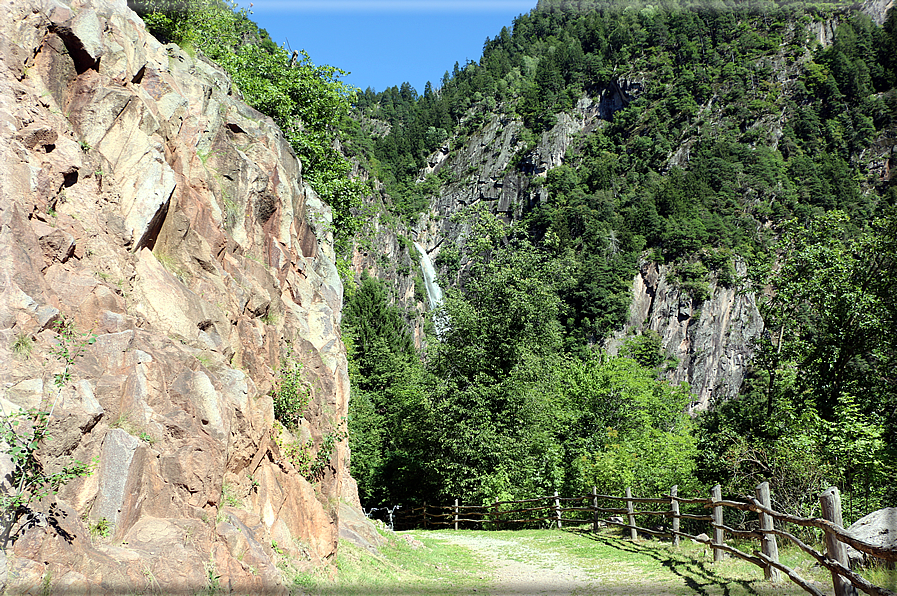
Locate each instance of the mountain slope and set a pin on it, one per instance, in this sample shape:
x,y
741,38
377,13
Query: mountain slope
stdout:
x,y
644,162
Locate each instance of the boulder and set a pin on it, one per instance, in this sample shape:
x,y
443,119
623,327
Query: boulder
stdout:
x,y
357,528
878,528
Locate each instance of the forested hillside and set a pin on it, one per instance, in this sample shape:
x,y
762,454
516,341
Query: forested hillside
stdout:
x,y
706,137
740,147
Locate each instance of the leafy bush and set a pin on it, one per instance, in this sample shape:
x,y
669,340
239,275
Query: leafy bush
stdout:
x,y
24,432
646,349
309,462
292,393
691,278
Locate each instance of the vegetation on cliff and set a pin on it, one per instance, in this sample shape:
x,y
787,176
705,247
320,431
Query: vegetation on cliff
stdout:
x,y
308,102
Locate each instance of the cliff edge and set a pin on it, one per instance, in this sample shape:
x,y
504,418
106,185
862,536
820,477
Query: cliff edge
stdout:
x,y
143,203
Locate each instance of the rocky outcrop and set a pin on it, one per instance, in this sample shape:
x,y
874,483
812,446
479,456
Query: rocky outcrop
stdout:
x,y
878,528
710,342
497,167
140,199
388,254
878,9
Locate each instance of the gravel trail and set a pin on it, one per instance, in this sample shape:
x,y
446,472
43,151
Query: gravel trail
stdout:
x,y
520,568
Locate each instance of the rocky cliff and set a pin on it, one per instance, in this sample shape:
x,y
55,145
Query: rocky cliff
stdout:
x,y
143,202
710,342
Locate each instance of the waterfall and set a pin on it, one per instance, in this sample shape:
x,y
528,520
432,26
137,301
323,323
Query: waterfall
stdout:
x,y
434,292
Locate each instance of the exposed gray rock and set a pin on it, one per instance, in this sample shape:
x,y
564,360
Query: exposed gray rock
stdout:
x,y
88,399
357,528
114,473
878,528
88,30
37,135
878,9
711,342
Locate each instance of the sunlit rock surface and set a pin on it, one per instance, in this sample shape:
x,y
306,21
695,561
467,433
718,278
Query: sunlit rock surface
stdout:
x,y
142,200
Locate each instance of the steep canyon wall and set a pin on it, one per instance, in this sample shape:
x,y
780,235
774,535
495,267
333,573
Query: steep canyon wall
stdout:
x,y
140,199
710,343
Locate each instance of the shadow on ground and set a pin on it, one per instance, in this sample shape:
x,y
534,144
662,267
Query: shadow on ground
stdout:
x,y
698,575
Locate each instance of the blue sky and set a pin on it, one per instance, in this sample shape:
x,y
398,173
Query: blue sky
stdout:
x,y
386,42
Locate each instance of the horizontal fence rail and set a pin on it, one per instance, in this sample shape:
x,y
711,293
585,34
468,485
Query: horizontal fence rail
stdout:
x,y
555,511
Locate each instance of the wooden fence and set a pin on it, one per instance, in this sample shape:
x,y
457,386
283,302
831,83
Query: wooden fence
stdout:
x,y
556,511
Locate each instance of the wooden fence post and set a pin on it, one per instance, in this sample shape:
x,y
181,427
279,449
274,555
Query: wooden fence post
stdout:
x,y
557,509
719,535
456,514
495,511
674,508
425,516
835,549
633,534
595,507
768,544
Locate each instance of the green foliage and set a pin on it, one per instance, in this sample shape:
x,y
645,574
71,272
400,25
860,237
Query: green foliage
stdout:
x,y
387,412
307,460
645,348
449,261
691,278
292,393
24,432
101,528
371,319
732,183
498,410
229,496
69,346
830,337
629,428
213,578
22,345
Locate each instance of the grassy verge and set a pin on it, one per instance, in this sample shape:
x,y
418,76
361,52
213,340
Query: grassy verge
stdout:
x,y
431,563
420,564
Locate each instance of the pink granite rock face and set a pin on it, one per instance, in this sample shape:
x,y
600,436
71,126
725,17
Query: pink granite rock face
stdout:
x,y
141,200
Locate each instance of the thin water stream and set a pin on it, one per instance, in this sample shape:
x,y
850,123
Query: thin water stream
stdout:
x,y
434,292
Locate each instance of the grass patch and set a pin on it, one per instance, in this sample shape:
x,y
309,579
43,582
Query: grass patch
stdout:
x,y
173,267
455,563
689,569
102,528
881,576
433,569
22,345
657,567
229,495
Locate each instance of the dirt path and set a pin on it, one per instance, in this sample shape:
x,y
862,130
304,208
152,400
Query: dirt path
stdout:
x,y
521,568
